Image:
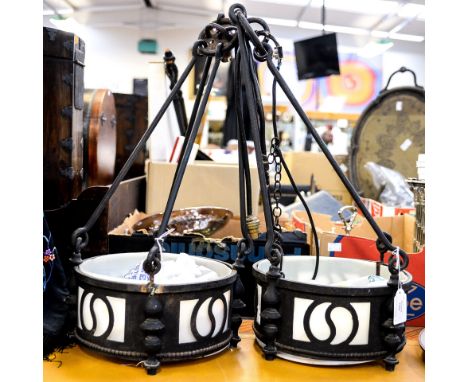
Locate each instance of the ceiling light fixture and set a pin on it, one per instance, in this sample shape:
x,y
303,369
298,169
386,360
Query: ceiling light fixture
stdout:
x,y
375,48
308,25
368,7
343,29
183,9
300,3
50,12
280,22
410,10
346,30
380,34
376,7
406,37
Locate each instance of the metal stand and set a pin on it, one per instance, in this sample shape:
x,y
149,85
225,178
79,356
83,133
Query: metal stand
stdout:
x,y
179,105
218,40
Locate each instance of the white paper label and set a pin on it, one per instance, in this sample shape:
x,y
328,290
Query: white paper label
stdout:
x,y
334,247
388,211
399,106
399,307
406,144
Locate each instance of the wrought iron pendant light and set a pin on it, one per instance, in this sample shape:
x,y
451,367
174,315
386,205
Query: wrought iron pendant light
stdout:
x,y
285,306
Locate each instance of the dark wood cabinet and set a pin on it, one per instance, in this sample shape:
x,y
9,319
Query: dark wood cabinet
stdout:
x,y
63,65
132,122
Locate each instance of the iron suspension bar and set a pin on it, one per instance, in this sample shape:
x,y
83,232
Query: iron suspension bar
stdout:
x,y
245,184
309,215
196,105
264,53
126,167
243,136
329,156
293,183
193,133
256,136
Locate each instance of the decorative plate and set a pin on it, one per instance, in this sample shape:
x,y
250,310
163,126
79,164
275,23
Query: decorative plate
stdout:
x,y
202,220
422,340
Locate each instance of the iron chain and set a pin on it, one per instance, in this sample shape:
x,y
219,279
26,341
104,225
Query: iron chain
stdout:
x,y
275,160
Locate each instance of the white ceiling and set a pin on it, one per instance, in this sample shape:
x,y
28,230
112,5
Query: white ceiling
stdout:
x,y
398,20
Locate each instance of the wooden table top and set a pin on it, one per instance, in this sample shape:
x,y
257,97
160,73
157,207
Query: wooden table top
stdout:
x,y
244,364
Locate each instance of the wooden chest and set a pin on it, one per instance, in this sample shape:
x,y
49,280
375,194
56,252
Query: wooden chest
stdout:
x,y
63,66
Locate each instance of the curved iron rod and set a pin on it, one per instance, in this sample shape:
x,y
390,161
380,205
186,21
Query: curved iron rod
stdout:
x,y
309,215
256,136
244,188
242,136
259,106
193,134
196,104
314,239
245,185
329,156
252,35
139,146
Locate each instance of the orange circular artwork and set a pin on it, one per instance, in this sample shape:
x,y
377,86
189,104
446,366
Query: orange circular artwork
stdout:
x,y
356,82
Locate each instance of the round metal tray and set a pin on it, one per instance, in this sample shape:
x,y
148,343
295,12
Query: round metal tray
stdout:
x,y
389,132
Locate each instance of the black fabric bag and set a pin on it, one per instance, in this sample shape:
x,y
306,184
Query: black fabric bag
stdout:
x,y
56,322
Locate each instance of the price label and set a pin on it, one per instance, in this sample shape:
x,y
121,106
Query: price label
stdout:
x,y
399,307
406,144
334,247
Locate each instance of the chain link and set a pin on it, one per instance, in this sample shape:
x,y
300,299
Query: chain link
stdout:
x,y
275,160
152,265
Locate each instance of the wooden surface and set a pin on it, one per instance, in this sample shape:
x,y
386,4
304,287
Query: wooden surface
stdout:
x,y
244,364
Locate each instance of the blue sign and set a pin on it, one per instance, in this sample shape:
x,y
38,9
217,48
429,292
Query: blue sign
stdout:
x,y
224,253
416,301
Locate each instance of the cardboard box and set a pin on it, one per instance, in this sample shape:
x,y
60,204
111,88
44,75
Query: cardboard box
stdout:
x,y
378,209
400,227
205,183
360,244
304,164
